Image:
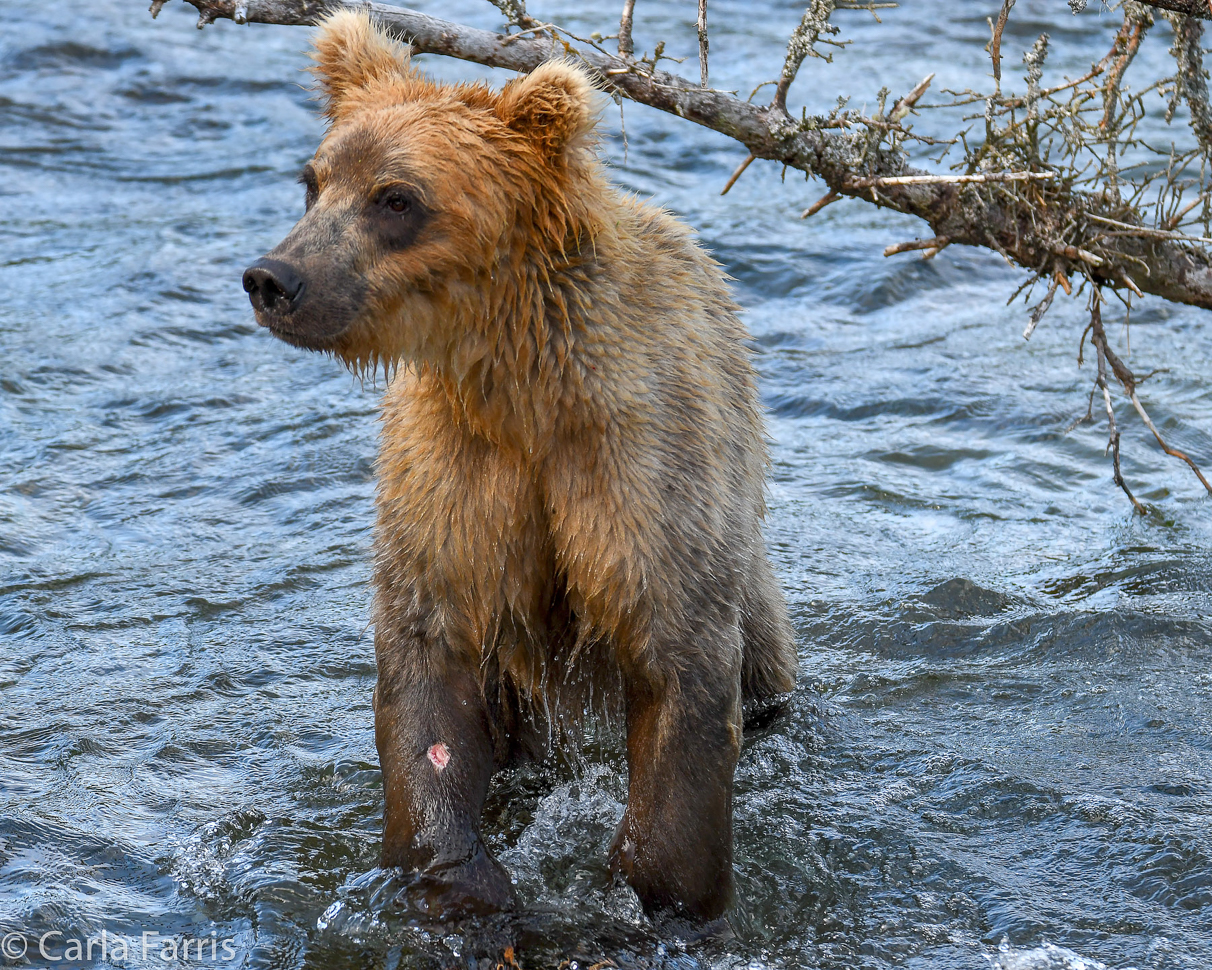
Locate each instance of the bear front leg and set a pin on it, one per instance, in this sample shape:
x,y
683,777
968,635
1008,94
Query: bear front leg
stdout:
x,y
436,754
674,844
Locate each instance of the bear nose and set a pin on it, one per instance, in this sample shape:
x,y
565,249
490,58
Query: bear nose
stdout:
x,y
272,286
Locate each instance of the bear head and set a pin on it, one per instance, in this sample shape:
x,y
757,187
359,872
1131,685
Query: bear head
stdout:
x,y
431,209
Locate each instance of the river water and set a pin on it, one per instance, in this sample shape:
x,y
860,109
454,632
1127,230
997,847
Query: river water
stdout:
x,y
999,754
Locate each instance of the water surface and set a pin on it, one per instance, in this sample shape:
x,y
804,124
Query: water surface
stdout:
x,y
999,754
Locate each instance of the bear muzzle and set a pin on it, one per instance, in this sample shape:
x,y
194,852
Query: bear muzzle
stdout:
x,y
273,287
296,308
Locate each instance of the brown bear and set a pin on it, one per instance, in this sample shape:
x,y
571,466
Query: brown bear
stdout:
x,y
571,477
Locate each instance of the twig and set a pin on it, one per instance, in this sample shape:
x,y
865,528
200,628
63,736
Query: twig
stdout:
x,y
905,105
814,23
1173,452
1113,438
1037,314
1189,81
625,45
1127,43
827,199
1088,416
515,12
864,183
1073,252
740,170
1148,231
1129,382
702,25
1176,220
939,242
995,43
624,29
1099,338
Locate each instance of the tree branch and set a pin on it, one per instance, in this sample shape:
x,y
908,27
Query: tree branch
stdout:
x,y
1099,339
1043,227
1129,382
995,43
814,23
626,48
1192,8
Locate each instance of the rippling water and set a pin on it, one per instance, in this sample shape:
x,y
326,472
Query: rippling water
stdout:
x,y
999,755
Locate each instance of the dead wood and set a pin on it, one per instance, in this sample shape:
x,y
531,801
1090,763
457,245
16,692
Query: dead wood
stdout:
x,y
1035,229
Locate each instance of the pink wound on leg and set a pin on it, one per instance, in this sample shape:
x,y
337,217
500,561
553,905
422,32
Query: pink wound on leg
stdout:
x,y
439,755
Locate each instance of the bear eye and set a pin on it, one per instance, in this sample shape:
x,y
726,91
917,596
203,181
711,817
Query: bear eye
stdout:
x,y
398,214
397,202
308,179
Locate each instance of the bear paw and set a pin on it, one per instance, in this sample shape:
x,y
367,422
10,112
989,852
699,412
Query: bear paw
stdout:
x,y
474,887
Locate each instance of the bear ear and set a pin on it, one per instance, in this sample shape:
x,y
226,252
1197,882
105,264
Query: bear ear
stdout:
x,y
553,105
351,52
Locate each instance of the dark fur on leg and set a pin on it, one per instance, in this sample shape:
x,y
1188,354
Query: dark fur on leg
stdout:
x,y
436,751
674,844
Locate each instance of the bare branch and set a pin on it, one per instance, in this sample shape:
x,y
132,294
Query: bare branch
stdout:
x,y
740,170
1042,190
1147,231
1037,314
1190,83
515,12
984,177
1176,220
995,43
1099,338
1192,8
1129,382
827,199
1035,228
625,46
1123,51
814,23
1137,20
906,247
1172,452
902,108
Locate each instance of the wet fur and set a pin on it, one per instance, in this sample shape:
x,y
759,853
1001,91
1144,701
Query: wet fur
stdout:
x,y
570,481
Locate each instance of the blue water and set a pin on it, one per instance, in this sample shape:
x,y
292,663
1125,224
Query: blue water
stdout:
x,y
999,754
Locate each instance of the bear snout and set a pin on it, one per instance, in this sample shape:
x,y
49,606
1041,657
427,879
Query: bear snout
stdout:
x,y
305,304
273,287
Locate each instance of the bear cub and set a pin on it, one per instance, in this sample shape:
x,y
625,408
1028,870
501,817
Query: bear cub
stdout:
x,y
571,474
